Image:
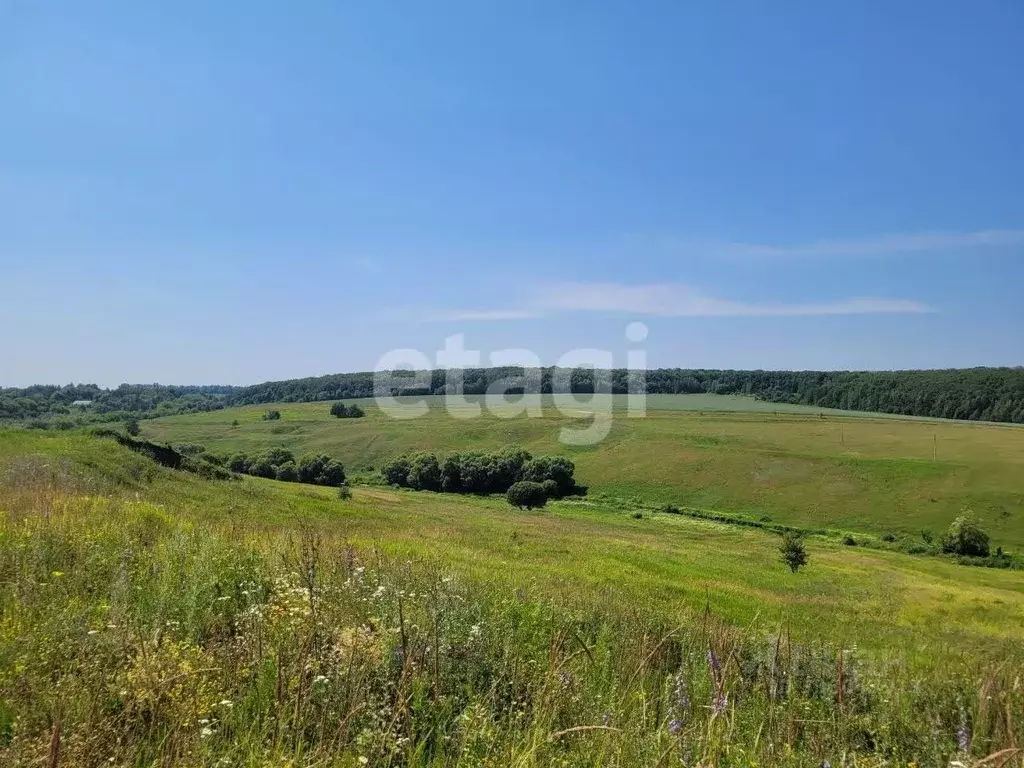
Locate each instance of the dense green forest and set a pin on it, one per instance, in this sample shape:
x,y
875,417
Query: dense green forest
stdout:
x,y
986,394
99,404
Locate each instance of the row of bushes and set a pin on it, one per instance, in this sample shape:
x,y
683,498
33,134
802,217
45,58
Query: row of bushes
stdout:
x,y
275,464
476,472
280,464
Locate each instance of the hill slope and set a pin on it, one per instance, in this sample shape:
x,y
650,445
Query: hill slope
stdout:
x,y
861,474
148,616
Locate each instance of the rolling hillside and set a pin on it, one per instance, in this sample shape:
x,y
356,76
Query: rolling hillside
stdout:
x,y
796,465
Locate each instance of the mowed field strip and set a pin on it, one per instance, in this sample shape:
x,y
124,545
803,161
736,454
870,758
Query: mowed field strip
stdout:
x,y
795,464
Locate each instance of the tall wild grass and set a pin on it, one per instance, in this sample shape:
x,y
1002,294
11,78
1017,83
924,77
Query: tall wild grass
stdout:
x,y
130,637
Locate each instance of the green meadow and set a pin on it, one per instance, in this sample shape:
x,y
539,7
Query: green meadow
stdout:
x,y
152,617
794,464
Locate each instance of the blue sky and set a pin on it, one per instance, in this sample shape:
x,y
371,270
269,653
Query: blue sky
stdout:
x,y
229,192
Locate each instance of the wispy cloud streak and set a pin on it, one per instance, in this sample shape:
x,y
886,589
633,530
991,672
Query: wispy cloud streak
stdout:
x,y
673,300
457,315
922,242
677,300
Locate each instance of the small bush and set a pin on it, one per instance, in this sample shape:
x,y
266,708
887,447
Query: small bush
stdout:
x,y
638,515
527,494
424,472
321,470
213,458
288,472
271,416
849,541
889,537
396,472
343,411
965,537
260,467
669,509
344,492
793,552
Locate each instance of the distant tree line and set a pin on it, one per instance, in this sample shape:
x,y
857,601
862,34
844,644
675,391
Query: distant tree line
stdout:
x,y
99,404
987,394
477,472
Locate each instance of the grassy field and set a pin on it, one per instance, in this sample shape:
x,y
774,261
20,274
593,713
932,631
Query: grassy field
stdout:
x,y
135,601
797,465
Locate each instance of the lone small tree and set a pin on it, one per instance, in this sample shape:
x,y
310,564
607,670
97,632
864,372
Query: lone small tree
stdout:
x,y
271,415
965,537
527,494
793,552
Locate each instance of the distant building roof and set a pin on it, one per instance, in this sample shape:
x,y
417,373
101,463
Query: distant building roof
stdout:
x,y
82,402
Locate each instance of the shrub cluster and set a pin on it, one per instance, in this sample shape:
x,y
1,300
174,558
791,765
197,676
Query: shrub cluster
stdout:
x,y
271,415
476,472
966,538
343,411
280,464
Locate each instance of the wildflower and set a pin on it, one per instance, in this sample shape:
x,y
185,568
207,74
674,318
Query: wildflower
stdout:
x,y
363,760
206,732
826,764
963,738
606,718
92,632
474,631
681,696
321,679
721,702
675,725
716,667
227,703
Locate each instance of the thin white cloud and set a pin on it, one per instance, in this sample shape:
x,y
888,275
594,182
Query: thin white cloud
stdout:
x,y
673,300
921,242
458,315
677,300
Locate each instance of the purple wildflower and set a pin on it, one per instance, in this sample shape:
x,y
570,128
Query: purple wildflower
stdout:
x,y
606,718
675,725
963,738
716,668
826,764
565,678
682,698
